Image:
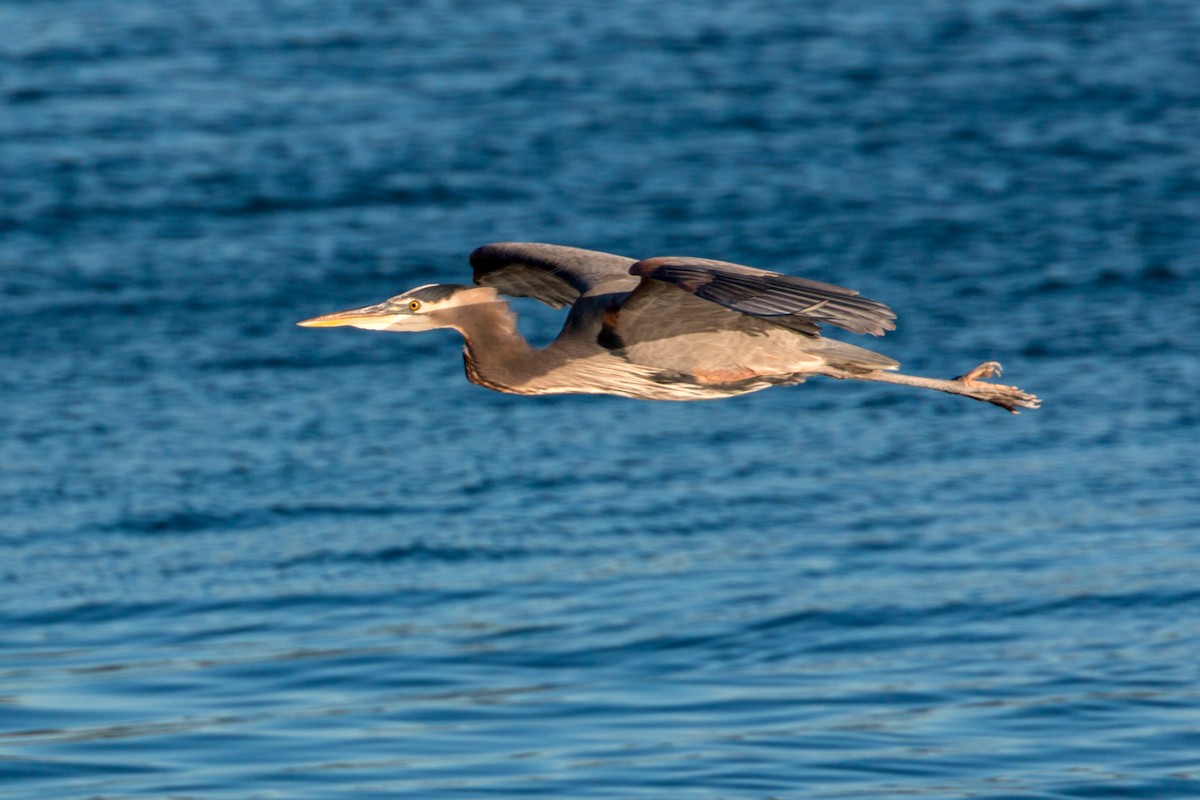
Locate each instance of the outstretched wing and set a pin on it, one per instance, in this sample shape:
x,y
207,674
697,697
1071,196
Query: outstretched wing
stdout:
x,y
551,273
784,300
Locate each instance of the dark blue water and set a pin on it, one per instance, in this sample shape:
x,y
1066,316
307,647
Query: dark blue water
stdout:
x,y
242,559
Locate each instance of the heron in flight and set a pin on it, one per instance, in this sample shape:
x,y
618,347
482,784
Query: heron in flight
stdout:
x,y
667,328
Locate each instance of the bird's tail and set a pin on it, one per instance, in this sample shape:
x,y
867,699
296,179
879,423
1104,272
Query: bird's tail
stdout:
x,y
850,357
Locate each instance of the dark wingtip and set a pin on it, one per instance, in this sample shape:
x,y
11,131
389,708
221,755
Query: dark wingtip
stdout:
x,y
489,257
485,251
493,250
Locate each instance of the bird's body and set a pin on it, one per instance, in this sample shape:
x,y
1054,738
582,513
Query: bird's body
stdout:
x,y
669,328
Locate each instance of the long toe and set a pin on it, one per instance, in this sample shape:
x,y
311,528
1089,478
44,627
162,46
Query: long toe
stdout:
x,y
988,369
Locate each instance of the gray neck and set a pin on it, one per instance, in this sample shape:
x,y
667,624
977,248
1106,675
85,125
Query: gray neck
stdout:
x,y
496,354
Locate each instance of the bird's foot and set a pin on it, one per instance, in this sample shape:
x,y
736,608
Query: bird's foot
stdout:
x,y
988,369
1009,397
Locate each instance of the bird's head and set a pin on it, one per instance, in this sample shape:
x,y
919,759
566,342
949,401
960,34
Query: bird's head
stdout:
x,y
437,305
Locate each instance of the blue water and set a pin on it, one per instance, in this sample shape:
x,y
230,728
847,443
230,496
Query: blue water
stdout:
x,y
242,559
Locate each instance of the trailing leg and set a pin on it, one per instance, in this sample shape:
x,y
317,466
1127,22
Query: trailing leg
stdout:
x,y
969,385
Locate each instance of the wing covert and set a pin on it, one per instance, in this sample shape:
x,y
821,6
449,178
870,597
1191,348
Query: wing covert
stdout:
x,y
554,274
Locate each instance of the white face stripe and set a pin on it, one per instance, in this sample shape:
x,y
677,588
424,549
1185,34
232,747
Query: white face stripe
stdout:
x,y
403,298
465,296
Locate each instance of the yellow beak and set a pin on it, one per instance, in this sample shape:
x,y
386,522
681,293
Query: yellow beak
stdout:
x,y
367,314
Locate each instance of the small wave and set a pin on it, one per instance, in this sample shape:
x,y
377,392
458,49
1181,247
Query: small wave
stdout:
x,y
177,521
417,551
1150,276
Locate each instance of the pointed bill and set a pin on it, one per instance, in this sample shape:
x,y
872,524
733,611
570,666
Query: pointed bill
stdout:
x,y
353,316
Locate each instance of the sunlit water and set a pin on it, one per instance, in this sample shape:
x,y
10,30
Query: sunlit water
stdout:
x,y
247,560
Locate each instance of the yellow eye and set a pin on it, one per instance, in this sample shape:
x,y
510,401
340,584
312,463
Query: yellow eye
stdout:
x,y
414,305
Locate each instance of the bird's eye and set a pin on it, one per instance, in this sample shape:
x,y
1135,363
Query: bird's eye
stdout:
x,y
414,305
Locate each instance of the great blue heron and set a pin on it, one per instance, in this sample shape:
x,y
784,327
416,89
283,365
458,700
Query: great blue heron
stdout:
x,y
669,328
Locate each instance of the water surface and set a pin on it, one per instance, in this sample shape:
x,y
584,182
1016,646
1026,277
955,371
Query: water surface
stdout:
x,y
247,560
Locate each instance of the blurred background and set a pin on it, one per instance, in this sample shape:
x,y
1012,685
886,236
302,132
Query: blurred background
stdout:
x,y
242,559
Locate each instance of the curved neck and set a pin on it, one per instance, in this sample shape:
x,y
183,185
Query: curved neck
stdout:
x,y
496,354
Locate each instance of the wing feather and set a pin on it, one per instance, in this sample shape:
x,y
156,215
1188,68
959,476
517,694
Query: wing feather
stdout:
x,y
554,274
785,300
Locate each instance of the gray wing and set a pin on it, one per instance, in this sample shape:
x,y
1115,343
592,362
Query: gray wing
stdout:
x,y
664,326
554,274
795,303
